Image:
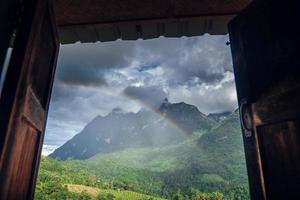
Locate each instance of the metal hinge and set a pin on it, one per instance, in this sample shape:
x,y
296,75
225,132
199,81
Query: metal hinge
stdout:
x,y
246,119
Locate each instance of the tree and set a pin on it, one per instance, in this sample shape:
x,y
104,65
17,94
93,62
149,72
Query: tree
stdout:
x,y
108,196
178,196
239,193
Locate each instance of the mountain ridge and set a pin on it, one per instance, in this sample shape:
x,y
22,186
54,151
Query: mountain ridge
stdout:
x,y
118,130
210,160
218,116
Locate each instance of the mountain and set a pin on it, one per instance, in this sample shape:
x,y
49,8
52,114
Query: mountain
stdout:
x,y
170,124
226,135
212,160
218,116
209,160
186,116
220,146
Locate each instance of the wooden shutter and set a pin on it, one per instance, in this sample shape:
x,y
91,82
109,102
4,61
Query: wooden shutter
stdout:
x,y
25,99
265,48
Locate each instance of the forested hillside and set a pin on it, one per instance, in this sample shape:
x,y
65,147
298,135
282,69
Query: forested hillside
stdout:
x,y
208,164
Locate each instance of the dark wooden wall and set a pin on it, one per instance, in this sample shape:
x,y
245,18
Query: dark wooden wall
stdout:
x,y
265,47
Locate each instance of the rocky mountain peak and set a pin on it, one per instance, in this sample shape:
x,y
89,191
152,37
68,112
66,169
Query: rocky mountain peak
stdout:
x,y
127,130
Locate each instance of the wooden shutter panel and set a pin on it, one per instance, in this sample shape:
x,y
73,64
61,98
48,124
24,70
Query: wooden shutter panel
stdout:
x,y
264,42
27,91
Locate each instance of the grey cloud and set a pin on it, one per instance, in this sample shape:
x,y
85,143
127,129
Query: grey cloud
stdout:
x,y
147,66
151,96
72,107
217,97
204,58
105,55
81,75
86,64
117,110
187,60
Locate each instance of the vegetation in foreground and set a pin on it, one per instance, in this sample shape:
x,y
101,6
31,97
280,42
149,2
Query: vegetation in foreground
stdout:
x,y
209,165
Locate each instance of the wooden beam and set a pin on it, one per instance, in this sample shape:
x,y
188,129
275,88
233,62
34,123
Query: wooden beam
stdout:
x,y
78,12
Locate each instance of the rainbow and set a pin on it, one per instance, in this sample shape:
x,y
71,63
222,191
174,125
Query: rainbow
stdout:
x,y
142,104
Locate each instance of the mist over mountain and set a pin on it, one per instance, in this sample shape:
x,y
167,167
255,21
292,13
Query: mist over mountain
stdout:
x,y
170,124
219,116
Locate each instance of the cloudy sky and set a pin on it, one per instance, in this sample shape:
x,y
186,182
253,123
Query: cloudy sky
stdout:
x,y
93,79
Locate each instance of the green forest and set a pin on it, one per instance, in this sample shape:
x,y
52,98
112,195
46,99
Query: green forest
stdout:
x,y
209,165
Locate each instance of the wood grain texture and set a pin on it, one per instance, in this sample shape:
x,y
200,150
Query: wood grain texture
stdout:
x,y
280,150
266,67
242,79
33,111
18,174
28,90
77,12
99,20
278,107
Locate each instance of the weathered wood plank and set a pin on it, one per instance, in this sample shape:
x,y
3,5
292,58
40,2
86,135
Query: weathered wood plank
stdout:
x,y
276,108
280,150
27,95
33,110
77,12
266,66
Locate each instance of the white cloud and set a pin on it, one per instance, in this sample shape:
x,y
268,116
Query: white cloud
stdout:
x,y
48,149
218,97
